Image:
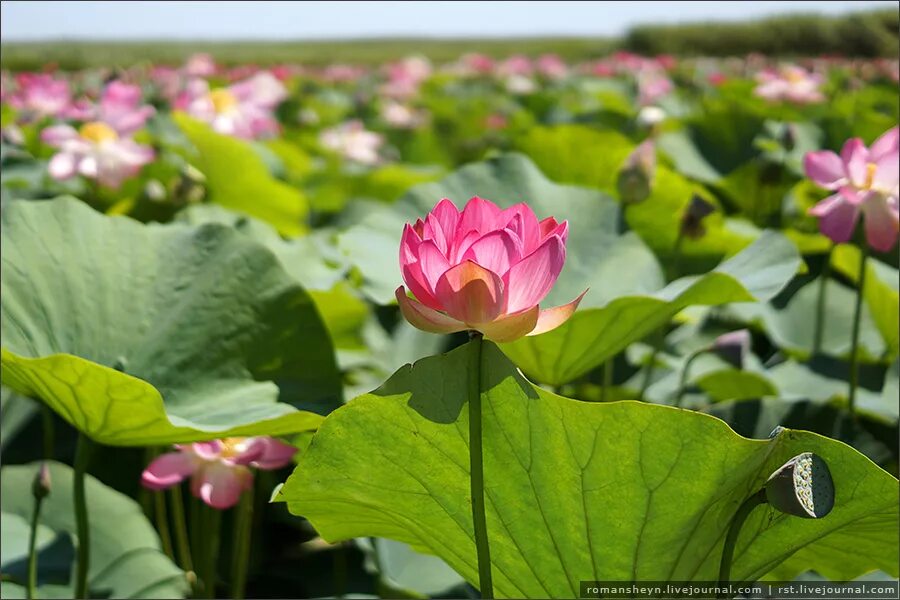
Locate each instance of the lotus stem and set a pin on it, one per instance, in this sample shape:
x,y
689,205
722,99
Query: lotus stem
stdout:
x,y
476,469
607,379
683,381
83,450
857,317
40,488
48,431
162,523
182,542
340,570
211,536
734,529
819,331
241,552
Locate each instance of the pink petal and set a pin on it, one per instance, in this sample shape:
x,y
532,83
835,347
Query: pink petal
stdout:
x,y
425,318
207,450
275,453
480,215
888,143
496,251
168,469
825,168
432,262
470,293
855,157
220,485
521,219
461,245
837,217
551,318
62,165
446,217
529,280
415,280
511,327
432,230
881,222
887,172
57,134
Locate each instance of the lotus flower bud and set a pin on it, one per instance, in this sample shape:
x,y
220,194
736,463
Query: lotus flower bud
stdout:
x,y
732,347
40,488
483,269
802,487
635,180
692,220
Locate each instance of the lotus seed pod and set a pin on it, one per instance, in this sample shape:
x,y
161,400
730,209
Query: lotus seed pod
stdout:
x,y
802,487
40,488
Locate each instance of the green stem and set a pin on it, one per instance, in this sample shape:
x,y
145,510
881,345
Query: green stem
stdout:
x,y
241,553
47,431
682,382
211,534
857,316
607,379
820,306
180,526
31,589
145,496
476,469
734,529
162,523
83,449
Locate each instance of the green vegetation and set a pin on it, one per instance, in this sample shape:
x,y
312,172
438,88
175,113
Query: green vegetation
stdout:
x,y
868,34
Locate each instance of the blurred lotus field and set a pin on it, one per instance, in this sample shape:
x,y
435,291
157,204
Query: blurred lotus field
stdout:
x,y
207,388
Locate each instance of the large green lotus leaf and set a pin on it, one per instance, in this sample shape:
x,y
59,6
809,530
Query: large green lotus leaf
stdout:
x,y
15,413
574,490
882,294
577,154
591,336
126,560
688,161
792,326
597,256
238,178
152,334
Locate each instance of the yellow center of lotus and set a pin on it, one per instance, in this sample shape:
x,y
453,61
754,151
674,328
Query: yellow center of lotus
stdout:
x,y
98,132
794,76
231,447
870,175
222,100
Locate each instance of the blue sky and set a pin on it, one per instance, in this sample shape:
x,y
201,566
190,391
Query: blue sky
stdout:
x,y
20,20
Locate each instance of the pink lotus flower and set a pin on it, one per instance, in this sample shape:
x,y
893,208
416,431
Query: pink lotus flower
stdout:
x,y
200,65
477,64
219,470
483,269
405,77
95,151
791,83
517,64
552,66
244,109
120,108
41,95
866,179
353,141
401,116
652,85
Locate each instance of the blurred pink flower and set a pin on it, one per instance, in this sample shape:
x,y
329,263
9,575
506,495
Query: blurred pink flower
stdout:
x,y
517,64
792,83
200,65
401,116
41,95
405,77
220,469
652,85
244,109
551,66
477,64
95,151
120,107
866,179
484,269
353,141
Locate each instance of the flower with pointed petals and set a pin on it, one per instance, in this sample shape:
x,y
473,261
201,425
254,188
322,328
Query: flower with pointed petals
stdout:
x,y
733,347
866,180
483,269
219,470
